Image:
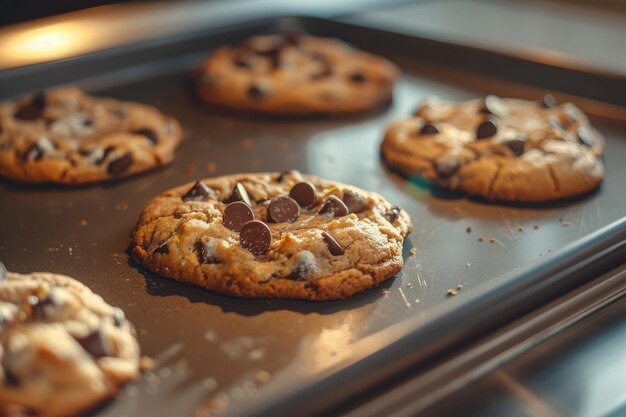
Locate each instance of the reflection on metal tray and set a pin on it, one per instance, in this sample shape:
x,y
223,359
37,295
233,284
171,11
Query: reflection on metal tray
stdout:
x,y
214,350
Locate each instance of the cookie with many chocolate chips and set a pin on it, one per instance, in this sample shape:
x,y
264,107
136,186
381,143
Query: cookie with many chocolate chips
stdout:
x,y
500,149
66,136
272,235
63,349
295,75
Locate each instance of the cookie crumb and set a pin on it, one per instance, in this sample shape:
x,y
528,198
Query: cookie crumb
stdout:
x,y
248,144
468,229
263,377
492,240
451,292
480,238
413,251
459,287
536,227
565,223
121,206
210,167
520,229
83,222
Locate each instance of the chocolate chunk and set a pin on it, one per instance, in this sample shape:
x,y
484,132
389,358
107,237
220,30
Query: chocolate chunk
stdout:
x,y
393,214
447,167
585,136
199,192
516,145
237,214
206,253
487,129
429,129
120,165
304,193
334,247
242,62
548,101
324,72
163,248
256,237
87,122
118,316
32,110
44,308
283,210
306,265
3,273
494,105
150,134
355,202
96,344
357,77
239,194
256,93
334,207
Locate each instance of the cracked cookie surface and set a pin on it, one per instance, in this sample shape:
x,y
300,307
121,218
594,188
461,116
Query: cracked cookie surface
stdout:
x,y
499,149
62,348
66,136
295,75
283,235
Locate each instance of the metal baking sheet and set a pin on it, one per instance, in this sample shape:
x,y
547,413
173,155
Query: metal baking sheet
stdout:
x,y
269,357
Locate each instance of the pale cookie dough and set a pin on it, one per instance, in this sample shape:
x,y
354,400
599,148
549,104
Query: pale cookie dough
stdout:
x,y
295,75
282,235
63,349
66,136
500,149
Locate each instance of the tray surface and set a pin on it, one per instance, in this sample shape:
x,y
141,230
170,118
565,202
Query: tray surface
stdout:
x,y
211,346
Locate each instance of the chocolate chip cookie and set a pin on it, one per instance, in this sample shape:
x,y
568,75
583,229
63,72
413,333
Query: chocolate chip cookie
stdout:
x,y
292,74
282,235
66,136
500,149
62,348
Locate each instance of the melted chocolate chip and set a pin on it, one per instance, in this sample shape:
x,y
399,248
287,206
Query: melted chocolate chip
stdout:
x,y
486,129
516,145
44,308
355,202
256,93
585,136
3,273
120,165
305,265
256,237
150,134
32,110
446,167
493,105
283,209
304,193
334,247
96,344
163,249
548,101
206,253
429,129
199,192
357,77
239,194
236,215
118,316
393,214
334,207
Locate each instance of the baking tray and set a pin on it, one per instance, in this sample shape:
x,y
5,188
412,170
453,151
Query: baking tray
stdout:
x,y
285,357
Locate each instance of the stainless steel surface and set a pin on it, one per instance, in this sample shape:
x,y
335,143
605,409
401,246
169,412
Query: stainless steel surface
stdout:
x,y
211,346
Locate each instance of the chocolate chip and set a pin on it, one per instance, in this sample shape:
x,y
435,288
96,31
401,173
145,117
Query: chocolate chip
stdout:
x,y
87,122
447,166
355,202
150,134
3,273
334,207
206,253
429,129
393,214
242,63
304,193
239,194
256,237
548,101
305,265
163,249
44,308
487,129
118,316
96,344
32,110
120,165
357,77
283,209
198,192
493,105
256,93
585,136
237,214
516,145
334,247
